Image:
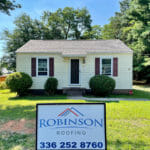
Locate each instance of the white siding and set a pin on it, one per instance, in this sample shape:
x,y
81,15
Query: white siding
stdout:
x,y
87,70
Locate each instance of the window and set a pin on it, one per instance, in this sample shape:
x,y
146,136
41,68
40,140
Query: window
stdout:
x,y
42,67
106,66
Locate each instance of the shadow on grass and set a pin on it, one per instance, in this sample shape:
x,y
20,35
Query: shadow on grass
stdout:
x,y
17,112
127,145
136,94
97,101
16,141
139,94
33,98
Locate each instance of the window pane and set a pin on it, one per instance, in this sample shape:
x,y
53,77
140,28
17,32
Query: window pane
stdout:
x,y
42,66
106,66
42,69
42,73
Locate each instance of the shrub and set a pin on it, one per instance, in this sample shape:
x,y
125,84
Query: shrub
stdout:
x,y
51,86
3,85
19,82
102,85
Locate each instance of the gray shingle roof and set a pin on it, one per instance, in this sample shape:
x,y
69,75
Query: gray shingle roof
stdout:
x,y
74,47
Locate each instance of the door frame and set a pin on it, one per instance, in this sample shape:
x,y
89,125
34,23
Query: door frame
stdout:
x,y
78,84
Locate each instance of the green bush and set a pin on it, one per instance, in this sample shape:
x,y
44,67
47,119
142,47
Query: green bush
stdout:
x,y
3,85
102,85
19,82
51,86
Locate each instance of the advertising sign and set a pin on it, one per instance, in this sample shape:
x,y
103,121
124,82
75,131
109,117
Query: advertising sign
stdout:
x,y
68,126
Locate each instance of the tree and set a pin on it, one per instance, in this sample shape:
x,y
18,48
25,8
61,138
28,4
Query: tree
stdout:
x,y
26,29
6,6
124,6
62,24
132,26
113,30
70,22
94,33
138,35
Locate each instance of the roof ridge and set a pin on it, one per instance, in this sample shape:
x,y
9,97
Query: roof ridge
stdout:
x,y
78,40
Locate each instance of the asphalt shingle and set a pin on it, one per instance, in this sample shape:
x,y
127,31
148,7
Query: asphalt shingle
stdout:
x,y
74,47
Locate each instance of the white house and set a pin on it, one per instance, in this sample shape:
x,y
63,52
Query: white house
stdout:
x,y
74,62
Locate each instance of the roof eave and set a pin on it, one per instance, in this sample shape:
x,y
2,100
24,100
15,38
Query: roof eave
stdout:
x,y
18,52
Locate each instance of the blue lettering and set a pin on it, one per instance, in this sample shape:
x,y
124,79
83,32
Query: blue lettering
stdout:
x,y
65,121
99,123
80,122
42,123
70,122
51,122
59,122
88,122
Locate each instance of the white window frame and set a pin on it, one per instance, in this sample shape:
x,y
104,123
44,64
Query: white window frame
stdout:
x,y
47,66
101,65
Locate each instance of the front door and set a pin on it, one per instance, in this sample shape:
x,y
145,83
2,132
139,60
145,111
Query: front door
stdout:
x,y
74,71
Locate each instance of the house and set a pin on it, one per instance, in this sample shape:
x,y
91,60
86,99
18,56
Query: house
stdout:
x,y
74,62
5,71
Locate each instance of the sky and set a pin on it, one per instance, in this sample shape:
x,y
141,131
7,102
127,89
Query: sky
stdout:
x,y
100,10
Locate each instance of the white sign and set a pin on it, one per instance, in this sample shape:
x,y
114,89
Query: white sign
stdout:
x,y
71,126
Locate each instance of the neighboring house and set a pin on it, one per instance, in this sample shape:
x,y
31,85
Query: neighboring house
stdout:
x,y
5,71
74,62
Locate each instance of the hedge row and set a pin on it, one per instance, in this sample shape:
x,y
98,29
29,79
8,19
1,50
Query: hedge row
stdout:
x,y
20,82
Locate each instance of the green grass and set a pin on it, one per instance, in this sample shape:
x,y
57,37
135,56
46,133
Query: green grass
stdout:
x,y
138,92
142,92
128,122
15,141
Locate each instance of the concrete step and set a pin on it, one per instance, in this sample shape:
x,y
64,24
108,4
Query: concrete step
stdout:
x,y
74,91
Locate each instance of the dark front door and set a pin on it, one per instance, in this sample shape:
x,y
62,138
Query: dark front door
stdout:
x,y
74,71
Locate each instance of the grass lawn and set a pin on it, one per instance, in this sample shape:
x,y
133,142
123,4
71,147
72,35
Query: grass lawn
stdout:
x,y
138,92
128,122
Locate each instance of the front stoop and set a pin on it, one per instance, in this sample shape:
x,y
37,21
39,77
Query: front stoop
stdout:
x,y
74,91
